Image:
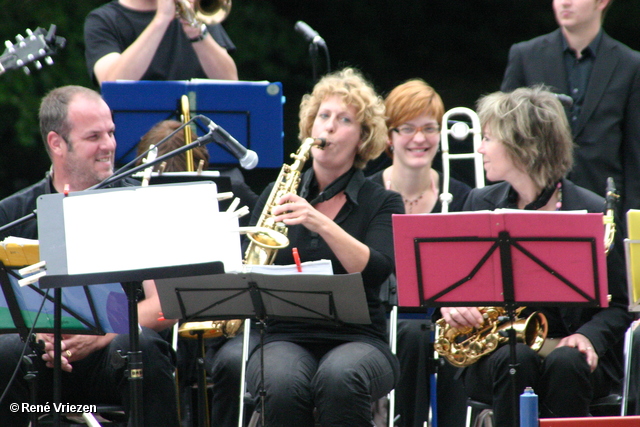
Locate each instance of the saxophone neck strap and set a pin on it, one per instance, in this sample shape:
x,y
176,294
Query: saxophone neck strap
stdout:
x,y
340,184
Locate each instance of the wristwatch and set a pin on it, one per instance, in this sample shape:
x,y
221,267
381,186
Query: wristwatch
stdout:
x,y
203,33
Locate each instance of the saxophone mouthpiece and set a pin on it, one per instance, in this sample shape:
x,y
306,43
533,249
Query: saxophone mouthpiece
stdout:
x,y
320,143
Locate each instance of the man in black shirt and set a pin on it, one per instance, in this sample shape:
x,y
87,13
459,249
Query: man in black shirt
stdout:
x,y
143,40
602,76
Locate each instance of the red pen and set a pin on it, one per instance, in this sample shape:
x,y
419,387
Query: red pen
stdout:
x,y
296,258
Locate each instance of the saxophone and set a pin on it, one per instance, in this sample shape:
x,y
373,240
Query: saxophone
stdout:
x,y
464,346
270,236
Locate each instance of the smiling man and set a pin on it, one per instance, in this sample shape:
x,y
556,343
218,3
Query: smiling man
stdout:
x,y
78,133
602,76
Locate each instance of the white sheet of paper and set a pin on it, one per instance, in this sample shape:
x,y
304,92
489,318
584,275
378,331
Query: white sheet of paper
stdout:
x,y
147,227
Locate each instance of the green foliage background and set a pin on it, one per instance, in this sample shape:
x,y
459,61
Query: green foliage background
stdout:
x,y
458,46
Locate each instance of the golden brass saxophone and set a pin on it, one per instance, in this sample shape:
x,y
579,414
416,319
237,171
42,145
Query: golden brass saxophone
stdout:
x,y
464,346
270,236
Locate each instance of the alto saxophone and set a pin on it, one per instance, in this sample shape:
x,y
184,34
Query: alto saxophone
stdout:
x,y
464,346
270,235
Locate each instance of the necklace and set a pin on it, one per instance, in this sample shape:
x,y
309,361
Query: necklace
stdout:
x,y
559,202
541,201
410,203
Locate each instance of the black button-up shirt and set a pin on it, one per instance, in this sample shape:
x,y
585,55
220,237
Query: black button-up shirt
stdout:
x,y
578,74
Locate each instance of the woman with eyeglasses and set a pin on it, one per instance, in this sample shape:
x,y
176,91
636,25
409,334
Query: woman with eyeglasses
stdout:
x,y
414,117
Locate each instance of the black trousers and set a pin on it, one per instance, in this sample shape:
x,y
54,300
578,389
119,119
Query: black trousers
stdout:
x,y
563,382
97,379
224,364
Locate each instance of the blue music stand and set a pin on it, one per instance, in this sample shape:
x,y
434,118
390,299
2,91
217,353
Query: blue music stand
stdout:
x,y
251,112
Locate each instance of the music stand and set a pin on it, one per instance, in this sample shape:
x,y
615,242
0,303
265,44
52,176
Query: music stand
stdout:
x,y
68,245
95,310
87,310
632,256
501,258
312,298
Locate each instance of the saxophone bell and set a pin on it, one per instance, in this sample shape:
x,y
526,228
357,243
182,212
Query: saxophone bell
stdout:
x,y
266,237
263,247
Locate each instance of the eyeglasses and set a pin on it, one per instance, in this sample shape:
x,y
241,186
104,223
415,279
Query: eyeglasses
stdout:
x,y
410,130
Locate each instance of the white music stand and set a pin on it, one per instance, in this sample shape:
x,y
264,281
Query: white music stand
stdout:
x,y
128,235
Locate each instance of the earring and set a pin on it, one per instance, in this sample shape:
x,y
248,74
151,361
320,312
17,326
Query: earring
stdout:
x,y
391,148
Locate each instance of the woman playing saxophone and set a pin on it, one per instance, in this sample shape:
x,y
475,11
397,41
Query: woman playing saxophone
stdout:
x,y
527,144
341,216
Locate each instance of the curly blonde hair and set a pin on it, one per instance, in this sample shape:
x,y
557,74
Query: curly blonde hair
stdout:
x,y
354,90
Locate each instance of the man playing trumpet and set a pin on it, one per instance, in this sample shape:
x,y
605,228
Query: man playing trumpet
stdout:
x,y
144,40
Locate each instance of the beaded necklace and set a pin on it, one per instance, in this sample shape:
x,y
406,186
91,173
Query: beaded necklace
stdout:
x,y
541,201
559,202
410,203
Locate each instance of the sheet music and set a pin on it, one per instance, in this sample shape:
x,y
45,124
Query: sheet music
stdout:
x,y
136,228
322,266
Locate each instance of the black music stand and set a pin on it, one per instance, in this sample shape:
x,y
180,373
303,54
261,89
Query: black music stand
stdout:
x,y
312,298
501,259
83,310
66,239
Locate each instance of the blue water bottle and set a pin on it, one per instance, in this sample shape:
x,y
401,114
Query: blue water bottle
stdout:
x,y
528,408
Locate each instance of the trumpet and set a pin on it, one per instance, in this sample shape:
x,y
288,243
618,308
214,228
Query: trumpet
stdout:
x,y
460,130
203,11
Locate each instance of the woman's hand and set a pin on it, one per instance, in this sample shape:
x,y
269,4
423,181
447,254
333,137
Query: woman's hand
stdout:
x,y
583,344
293,210
460,317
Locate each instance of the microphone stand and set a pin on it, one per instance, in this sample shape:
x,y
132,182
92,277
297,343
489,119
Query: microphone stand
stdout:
x,y
134,357
121,174
313,55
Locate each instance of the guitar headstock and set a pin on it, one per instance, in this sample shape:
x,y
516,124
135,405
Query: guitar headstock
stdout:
x,y
37,45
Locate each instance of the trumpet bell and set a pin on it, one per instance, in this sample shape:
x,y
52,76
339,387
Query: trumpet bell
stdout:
x,y
212,11
209,12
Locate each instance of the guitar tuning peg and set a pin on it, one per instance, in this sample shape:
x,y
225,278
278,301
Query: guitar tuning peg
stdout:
x,y
19,38
48,60
38,65
29,32
26,70
9,46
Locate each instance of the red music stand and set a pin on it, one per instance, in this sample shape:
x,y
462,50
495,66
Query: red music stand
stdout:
x,y
500,258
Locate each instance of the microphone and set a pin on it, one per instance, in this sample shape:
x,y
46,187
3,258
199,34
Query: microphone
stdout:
x,y
309,33
248,158
565,100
